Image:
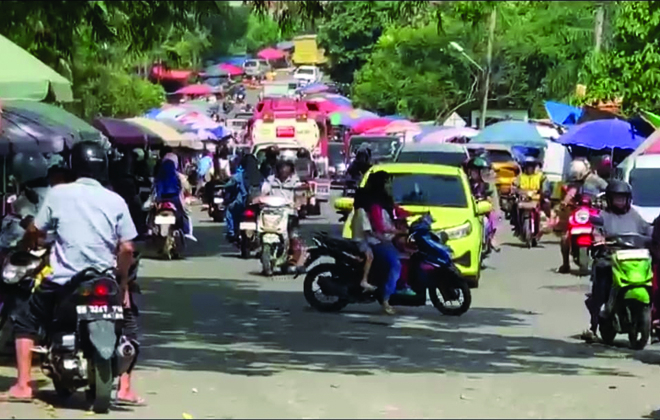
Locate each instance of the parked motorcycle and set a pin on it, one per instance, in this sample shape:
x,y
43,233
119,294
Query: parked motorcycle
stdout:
x,y
167,232
581,231
217,207
528,216
84,346
430,268
273,231
628,310
248,240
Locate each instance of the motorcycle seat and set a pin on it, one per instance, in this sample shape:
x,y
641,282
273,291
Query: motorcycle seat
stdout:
x,y
345,245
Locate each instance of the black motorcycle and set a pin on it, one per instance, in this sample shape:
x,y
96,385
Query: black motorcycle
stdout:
x,y
216,204
430,268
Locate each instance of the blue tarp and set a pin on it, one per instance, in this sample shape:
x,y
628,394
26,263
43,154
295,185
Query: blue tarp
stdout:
x,y
562,114
236,60
511,133
603,134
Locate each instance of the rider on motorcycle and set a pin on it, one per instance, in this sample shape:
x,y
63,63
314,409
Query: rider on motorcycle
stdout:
x,y
529,181
478,171
361,164
171,185
92,227
619,218
267,167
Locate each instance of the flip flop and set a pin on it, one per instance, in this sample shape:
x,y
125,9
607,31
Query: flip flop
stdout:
x,y
11,399
139,402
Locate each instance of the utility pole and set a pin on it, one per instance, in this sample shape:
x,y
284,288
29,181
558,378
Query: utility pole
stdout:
x,y
598,28
489,59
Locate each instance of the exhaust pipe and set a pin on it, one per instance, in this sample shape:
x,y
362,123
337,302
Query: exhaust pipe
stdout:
x,y
126,353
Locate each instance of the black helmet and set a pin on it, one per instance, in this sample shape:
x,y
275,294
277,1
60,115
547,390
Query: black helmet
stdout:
x,y
89,160
617,187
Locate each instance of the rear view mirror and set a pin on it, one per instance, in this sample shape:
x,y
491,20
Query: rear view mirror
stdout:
x,y
483,207
596,220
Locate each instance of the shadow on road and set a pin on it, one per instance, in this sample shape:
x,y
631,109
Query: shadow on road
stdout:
x,y
232,327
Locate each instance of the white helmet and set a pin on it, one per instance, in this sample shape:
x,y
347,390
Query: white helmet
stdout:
x,y
579,170
27,167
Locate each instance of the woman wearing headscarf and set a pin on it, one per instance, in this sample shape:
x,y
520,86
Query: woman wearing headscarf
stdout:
x,y
171,185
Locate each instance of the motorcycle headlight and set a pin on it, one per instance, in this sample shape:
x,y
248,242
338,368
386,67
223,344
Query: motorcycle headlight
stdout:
x,y
458,232
582,217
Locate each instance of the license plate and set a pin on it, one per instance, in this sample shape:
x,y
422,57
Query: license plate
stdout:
x,y
322,189
270,238
165,220
248,226
218,200
633,254
87,312
581,231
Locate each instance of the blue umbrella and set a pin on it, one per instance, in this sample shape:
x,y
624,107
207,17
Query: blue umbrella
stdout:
x,y
603,134
562,114
315,88
153,113
512,133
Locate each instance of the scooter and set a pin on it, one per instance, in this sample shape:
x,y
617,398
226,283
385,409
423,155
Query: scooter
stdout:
x,y
329,287
581,231
217,207
273,232
248,240
167,232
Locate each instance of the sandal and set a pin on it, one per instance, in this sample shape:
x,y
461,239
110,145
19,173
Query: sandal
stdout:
x,y
137,402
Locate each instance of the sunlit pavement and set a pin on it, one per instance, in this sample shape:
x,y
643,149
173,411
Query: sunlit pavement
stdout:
x,y
220,341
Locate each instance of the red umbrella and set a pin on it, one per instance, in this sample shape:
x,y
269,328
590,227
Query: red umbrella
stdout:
x,y
231,69
271,54
369,124
198,89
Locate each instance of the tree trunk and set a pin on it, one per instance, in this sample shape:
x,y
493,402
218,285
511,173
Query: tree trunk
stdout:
x,y
598,27
489,59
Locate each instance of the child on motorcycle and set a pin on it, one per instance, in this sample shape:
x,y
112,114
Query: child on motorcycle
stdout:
x,y
363,235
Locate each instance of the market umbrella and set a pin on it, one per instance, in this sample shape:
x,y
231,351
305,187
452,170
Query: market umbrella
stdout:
x,y
512,133
169,135
395,117
327,106
315,88
197,89
285,45
24,134
603,134
54,115
562,114
23,76
271,54
445,134
368,124
124,133
350,118
231,69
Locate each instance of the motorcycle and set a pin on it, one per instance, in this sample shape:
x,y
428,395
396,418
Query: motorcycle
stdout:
x,y
217,207
167,232
248,240
581,231
84,346
628,309
430,268
273,232
528,216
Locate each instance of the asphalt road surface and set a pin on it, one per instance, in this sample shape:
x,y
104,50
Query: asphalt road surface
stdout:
x,y
221,341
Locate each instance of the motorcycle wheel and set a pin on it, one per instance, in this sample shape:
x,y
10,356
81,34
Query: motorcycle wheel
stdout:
x,y
456,285
607,331
244,245
640,330
584,262
63,392
102,384
266,263
219,216
310,295
527,232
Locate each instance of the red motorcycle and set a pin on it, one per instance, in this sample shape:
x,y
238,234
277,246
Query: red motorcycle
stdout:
x,y
581,231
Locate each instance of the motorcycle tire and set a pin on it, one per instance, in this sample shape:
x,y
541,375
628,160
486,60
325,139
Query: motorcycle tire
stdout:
x,y
266,262
310,296
584,262
63,392
102,384
607,331
640,329
527,232
457,284
219,216
244,246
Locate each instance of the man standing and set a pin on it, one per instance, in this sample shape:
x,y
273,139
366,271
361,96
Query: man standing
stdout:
x,y
92,228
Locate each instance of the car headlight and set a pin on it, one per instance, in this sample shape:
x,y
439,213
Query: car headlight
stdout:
x,y
459,232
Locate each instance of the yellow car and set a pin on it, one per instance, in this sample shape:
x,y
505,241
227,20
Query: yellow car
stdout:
x,y
443,191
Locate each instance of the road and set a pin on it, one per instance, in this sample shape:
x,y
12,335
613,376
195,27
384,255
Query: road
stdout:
x,y
220,341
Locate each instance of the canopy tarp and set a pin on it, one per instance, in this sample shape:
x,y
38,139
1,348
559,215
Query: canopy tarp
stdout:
x,y
24,134
562,114
511,133
23,76
169,135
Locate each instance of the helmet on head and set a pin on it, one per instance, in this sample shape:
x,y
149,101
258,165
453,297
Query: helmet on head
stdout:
x,y
579,170
477,163
28,167
89,160
621,188
530,161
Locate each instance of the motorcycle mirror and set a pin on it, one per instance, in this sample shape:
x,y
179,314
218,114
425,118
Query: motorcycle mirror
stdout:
x,y
596,220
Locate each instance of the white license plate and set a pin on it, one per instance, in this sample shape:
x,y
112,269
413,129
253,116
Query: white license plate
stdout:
x,y
248,226
581,231
322,189
100,311
633,254
270,238
218,200
165,220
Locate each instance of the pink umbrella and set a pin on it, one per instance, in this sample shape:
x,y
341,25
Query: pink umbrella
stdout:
x,y
328,106
271,54
370,124
444,136
198,89
231,69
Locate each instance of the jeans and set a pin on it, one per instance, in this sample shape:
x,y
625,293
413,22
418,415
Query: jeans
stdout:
x,y
387,256
233,217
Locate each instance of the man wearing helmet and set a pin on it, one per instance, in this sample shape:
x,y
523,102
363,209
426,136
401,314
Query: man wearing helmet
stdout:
x,y
360,164
619,218
478,170
92,227
530,181
267,167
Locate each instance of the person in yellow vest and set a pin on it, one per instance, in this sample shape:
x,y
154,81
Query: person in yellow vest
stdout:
x,y
531,180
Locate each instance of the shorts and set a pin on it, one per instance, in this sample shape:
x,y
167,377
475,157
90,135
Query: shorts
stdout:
x,y
363,246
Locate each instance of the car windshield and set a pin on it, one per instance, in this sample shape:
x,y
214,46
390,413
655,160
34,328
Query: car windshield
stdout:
x,y
251,64
335,155
645,193
308,72
437,158
382,148
429,190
